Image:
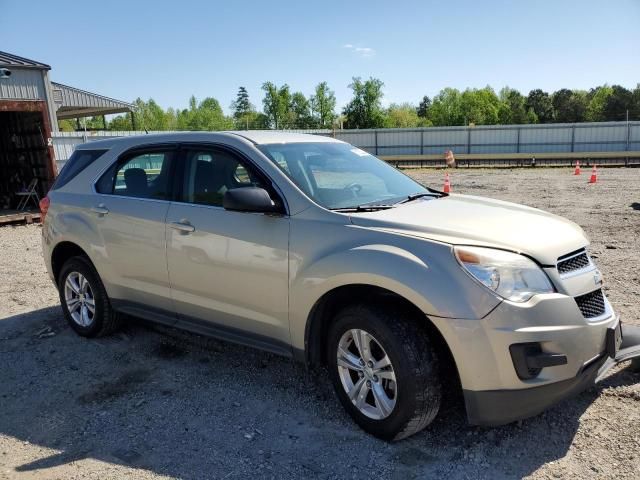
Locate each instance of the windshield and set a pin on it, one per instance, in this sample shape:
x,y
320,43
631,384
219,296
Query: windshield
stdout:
x,y
338,175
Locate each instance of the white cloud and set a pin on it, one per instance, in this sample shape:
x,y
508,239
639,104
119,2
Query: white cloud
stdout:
x,y
365,52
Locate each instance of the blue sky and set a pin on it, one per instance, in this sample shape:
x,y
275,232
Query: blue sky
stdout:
x,y
170,50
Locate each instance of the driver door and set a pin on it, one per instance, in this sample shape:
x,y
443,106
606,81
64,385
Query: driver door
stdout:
x,y
228,270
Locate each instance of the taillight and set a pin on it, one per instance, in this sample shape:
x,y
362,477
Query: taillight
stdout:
x,y
44,208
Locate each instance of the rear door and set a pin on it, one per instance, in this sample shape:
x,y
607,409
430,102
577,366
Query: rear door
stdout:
x,y
130,212
228,270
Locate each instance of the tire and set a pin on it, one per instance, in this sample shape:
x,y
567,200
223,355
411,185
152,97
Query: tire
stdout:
x,y
416,392
103,320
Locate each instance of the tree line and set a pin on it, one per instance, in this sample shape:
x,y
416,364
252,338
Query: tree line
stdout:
x,y
286,109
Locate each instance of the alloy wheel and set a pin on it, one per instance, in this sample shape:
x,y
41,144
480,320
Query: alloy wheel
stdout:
x,y
367,374
79,299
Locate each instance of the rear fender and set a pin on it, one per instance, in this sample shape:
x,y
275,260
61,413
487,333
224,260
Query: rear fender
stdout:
x,y
67,223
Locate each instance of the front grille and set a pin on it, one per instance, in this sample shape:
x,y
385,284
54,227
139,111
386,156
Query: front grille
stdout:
x,y
575,262
592,304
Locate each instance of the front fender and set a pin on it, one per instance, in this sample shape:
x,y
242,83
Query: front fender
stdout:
x,y
424,273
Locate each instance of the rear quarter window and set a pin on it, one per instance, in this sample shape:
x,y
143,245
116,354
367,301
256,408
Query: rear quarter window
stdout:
x,y
79,160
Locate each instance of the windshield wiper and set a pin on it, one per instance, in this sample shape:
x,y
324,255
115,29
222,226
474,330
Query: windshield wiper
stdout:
x,y
415,196
362,208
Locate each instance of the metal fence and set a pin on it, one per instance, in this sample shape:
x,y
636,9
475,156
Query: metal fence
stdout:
x,y
498,140
560,138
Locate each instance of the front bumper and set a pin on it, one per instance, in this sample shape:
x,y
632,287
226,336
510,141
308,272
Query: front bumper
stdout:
x,y
481,347
498,407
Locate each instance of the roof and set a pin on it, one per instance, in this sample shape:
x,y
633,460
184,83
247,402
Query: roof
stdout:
x,y
10,60
73,102
261,137
264,137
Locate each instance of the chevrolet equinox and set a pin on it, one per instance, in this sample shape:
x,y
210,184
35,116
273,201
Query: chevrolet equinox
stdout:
x,y
308,247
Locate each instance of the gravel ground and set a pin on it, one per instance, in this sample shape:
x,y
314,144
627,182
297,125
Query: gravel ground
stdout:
x,y
150,404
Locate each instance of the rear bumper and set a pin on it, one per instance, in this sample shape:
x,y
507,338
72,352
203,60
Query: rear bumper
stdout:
x,y
46,252
498,407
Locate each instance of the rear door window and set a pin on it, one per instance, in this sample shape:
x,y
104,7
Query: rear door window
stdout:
x,y
141,175
79,160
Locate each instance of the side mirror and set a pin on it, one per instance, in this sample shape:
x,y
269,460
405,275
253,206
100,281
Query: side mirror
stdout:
x,y
249,199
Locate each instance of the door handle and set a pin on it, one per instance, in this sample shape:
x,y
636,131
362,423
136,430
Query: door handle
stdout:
x,y
183,226
100,209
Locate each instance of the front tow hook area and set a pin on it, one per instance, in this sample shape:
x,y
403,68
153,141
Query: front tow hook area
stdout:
x,y
529,359
629,349
499,407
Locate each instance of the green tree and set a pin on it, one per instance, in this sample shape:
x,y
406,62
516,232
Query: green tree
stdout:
x,y
150,116
241,106
513,108
446,108
539,102
480,106
93,123
569,106
323,105
299,112
634,107
121,123
244,112
67,125
212,116
365,108
423,107
561,101
252,121
171,116
578,105
618,103
187,117
598,98
276,104
403,116
206,115
257,120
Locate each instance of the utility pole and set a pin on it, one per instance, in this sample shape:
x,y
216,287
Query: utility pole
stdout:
x,y
626,160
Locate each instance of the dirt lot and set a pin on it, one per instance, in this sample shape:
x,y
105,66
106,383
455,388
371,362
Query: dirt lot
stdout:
x,y
143,404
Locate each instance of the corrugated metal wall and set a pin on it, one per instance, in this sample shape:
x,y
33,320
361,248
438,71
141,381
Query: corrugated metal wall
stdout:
x,y
579,137
23,84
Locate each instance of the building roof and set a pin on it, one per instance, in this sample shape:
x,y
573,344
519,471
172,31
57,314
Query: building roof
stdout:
x,y
73,102
10,60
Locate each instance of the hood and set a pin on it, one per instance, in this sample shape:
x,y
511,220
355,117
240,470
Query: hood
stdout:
x,y
479,221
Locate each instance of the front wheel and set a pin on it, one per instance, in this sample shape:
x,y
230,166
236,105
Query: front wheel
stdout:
x,y
384,370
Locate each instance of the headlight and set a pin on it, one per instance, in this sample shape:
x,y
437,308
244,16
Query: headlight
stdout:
x,y
512,276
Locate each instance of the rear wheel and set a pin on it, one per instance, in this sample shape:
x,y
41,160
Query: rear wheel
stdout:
x,y
84,299
384,370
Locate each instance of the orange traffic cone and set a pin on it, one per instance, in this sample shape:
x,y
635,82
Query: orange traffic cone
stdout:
x,y
594,175
447,184
577,170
